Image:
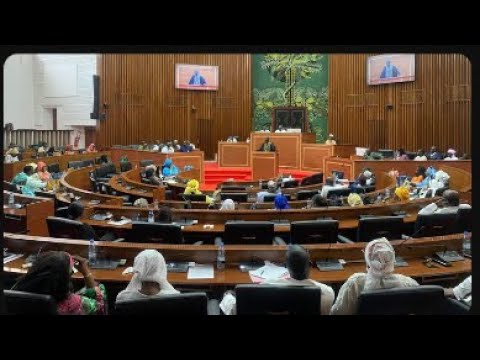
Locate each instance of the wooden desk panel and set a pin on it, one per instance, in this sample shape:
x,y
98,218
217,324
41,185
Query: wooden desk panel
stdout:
x,y
233,154
340,164
264,165
352,253
313,156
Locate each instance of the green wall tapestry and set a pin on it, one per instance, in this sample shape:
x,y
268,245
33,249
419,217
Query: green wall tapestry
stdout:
x,y
291,80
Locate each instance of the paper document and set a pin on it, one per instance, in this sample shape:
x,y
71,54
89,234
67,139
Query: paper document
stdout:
x,y
269,271
118,223
7,257
200,271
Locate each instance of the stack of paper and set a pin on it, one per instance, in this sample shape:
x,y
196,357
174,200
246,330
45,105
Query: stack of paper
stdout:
x,y
200,271
119,223
269,271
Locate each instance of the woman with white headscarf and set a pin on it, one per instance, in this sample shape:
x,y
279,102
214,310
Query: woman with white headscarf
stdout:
x,y
228,204
149,278
380,259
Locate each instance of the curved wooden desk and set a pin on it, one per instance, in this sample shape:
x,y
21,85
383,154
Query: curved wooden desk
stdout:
x,y
412,251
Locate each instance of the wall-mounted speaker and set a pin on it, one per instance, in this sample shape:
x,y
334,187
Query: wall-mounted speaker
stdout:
x,y
96,98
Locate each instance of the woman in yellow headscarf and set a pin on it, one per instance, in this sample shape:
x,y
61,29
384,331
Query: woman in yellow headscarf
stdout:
x,y
193,187
402,193
354,200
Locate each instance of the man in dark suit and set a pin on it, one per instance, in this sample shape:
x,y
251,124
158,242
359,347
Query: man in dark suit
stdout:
x,y
267,146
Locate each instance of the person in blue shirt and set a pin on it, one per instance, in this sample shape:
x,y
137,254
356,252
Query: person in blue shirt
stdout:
x,y
281,202
168,168
21,178
197,79
186,147
389,71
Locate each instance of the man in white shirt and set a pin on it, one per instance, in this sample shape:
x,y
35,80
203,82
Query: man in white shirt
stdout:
x,y
298,265
329,184
463,291
450,202
156,146
451,155
420,156
168,148
271,190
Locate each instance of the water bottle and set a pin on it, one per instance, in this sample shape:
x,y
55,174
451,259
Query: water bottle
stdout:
x,y
466,242
221,257
92,252
387,193
11,201
151,216
260,184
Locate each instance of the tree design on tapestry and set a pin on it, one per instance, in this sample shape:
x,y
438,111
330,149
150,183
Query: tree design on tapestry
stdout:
x,y
293,80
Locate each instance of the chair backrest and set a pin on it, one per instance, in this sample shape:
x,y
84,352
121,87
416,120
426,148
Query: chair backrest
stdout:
x,y
232,187
464,219
436,225
419,300
336,193
371,228
25,303
271,197
88,162
248,232
236,197
75,164
314,232
194,197
54,168
144,232
313,179
411,155
11,187
306,194
167,305
281,300
125,166
144,163
65,228
290,184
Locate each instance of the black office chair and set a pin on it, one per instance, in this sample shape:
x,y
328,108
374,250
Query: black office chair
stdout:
x,y
189,304
411,155
313,179
337,193
277,300
88,162
306,194
419,300
232,187
194,197
143,232
290,184
371,228
75,164
464,220
11,187
125,166
65,228
144,163
435,225
271,197
250,233
54,168
314,232
236,197
25,303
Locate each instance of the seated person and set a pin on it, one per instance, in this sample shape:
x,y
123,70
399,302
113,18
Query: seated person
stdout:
x,y
272,187
104,160
186,147
319,201
143,146
21,178
420,175
329,184
150,175
370,177
331,140
281,202
193,187
450,203
402,194
141,202
168,148
354,200
42,149
228,204
91,148
434,154
372,155
33,183
298,265
168,168
51,273
267,146
232,139
380,260
176,145
149,278
165,215
193,146
42,171
462,291
12,150
156,146
75,212
420,156
440,180
69,150
10,159
401,155
50,151
451,155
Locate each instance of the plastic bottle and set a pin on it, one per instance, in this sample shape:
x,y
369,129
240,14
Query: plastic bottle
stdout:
x,y
260,184
11,200
151,216
221,257
466,242
92,252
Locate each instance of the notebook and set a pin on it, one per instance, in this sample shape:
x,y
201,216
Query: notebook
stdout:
x,y
449,256
179,267
400,262
329,265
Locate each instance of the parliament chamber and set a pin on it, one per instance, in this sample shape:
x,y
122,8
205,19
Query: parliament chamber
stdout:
x,y
194,188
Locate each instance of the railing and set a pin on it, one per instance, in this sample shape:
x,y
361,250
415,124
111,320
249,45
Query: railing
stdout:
x,y
26,138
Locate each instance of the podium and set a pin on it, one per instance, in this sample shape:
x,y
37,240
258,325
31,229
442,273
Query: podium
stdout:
x,y
264,165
